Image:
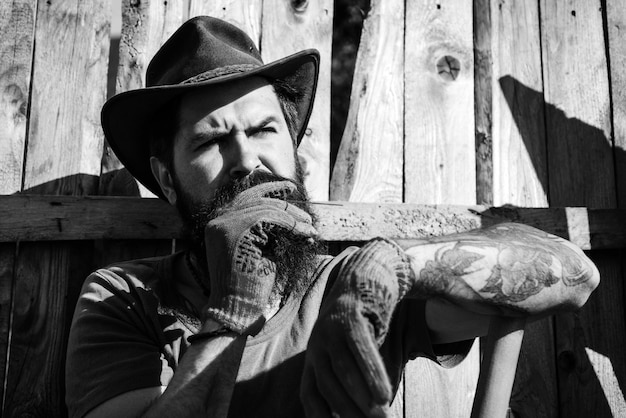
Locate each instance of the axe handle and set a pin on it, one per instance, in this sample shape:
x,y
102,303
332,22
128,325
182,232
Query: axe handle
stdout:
x,y
497,369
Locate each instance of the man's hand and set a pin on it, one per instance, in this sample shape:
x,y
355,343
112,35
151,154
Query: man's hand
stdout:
x,y
237,240
344,372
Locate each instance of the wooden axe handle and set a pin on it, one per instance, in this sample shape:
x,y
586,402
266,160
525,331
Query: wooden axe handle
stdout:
x,y
497,369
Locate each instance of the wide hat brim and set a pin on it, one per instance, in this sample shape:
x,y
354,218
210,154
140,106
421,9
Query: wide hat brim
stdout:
x,y
126,117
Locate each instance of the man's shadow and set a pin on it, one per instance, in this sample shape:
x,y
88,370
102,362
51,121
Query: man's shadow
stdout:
x,y
577,165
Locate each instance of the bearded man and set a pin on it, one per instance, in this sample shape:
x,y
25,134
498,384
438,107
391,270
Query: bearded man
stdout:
x,y
254,320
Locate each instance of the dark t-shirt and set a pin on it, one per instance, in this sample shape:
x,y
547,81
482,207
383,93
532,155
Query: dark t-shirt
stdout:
x,y
129,332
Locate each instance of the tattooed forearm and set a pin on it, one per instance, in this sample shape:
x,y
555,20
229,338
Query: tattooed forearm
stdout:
x,y
508,265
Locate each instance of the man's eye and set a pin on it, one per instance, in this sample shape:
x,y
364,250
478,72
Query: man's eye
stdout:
x,y
266,130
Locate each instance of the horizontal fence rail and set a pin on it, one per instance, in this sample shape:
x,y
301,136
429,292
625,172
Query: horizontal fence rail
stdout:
x,y
59,218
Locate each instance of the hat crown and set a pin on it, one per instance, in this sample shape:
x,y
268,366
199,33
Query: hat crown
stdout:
x,y
200,45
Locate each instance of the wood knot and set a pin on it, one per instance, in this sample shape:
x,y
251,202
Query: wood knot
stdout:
x,y
299,5
448,68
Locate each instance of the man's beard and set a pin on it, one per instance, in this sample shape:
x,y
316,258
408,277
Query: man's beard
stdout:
x,y
295,256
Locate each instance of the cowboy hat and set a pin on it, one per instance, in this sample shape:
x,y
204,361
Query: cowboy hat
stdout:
x,y
204,51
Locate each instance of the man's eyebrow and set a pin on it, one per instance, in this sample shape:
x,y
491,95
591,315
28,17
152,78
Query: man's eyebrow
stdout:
x,y
264,121
202,137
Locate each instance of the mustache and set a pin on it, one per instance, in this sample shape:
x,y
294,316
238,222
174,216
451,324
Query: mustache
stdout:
x,y
198,212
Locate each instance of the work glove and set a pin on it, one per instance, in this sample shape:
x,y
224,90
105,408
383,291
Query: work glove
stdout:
x,y
344,373
237,242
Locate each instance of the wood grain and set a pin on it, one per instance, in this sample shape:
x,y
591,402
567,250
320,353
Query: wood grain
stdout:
x,y
246,15
63,157
36,218
439,159
17,26
581,172
7,265
369,161
519,145
576,91
64,127
40,325
440,162
17,23
520,175
146,25
289,26
483,101
616,23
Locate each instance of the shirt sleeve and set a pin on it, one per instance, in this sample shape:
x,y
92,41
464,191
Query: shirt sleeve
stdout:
x,y
113,345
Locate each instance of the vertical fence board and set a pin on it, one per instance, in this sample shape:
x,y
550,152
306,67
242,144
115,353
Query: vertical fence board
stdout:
x,y
289,26
7,262
145,27
520,175
439,164
368,166
17,25
64,126
616,25
615,388
581,172
483,101
439,161
519,146
245,15
63,157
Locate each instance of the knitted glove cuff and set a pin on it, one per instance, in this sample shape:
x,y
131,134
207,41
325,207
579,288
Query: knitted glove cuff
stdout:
x,y
237,314
392,254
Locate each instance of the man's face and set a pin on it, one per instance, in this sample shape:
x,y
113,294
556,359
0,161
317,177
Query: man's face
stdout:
x,y
227,134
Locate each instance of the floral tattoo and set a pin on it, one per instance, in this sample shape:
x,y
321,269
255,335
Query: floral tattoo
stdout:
x,y
526,264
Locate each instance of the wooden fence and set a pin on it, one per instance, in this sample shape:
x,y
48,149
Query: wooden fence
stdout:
x,y
453,103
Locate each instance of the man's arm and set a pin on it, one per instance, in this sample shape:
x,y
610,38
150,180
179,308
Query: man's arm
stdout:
x,y
506,270
203,383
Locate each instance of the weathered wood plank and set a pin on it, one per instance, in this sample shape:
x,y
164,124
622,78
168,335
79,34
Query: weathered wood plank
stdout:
x,y
483,101
146,25
37,218
245,15
577,104
7,264
616,25
440,163
369,161
439,160
64,125
519,146
367,167
63,156
520,175
287,27
612,377
35,378
581,172
17,26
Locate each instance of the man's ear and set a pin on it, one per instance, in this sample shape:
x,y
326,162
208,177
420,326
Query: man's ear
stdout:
x,y
164,177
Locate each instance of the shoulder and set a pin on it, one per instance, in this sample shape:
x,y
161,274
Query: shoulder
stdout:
x,y
147,274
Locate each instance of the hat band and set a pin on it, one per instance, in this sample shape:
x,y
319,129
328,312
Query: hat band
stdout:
x,y
218,72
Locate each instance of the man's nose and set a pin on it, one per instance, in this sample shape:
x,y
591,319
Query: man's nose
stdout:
x,y
245,156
